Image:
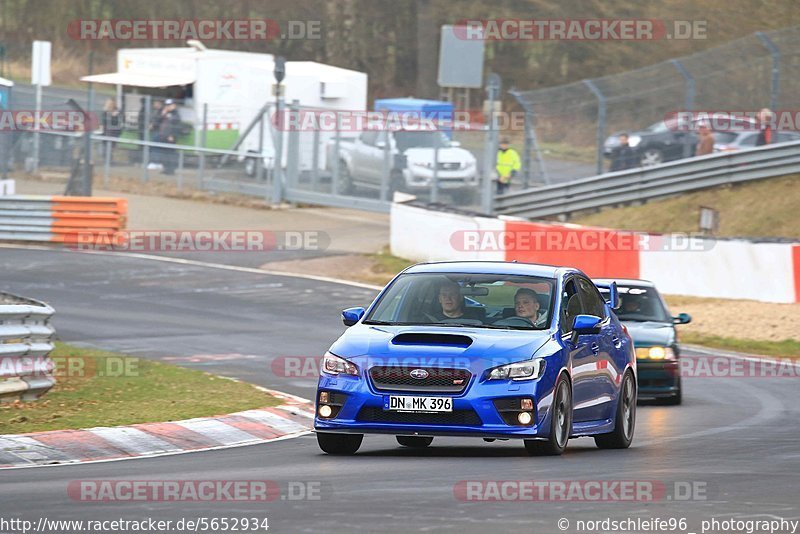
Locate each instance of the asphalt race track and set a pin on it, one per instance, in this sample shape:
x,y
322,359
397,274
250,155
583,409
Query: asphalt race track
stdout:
x,y
737,440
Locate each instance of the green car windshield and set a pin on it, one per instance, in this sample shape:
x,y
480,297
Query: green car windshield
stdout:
x,y
509,302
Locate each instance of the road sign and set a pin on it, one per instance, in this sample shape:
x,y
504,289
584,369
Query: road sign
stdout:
x,y
40,69
460,59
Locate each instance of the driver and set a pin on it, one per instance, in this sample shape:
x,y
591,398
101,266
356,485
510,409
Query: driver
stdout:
x,y
526,305
630,305
451,300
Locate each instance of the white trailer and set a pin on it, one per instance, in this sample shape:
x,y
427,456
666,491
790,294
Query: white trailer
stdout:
x,y
235,86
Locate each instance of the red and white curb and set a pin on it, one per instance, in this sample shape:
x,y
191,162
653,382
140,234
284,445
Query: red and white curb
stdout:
x,y
291,419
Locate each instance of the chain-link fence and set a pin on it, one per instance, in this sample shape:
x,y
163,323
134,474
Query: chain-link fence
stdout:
x,y
320,162
748,74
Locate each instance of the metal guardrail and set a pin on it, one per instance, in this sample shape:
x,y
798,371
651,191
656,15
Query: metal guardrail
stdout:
x,y
652,182
26,339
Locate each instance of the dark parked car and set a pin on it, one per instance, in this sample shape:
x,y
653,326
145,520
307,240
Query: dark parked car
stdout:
x,y
649,323
659,142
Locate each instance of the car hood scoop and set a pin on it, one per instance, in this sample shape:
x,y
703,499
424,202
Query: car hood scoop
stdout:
x,y
428,338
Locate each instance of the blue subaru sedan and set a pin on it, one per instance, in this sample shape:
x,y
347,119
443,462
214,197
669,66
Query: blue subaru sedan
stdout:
x,y
481,349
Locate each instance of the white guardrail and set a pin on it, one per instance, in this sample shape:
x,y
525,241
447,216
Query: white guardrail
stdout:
x,y
652,182
26,339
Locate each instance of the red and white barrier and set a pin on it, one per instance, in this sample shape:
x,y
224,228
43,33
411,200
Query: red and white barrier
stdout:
x,y
677,264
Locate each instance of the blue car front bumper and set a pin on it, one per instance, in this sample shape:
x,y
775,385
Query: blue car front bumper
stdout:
x,y
483,409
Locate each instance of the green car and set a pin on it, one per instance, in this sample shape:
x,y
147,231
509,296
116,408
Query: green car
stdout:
x,y
644,313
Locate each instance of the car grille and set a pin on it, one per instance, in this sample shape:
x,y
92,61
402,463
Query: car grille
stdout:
x,y
449,166
456,417
387,378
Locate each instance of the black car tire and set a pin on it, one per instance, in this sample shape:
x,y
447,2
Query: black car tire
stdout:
x,y
560,423
625,421
346,186
414,442
339,444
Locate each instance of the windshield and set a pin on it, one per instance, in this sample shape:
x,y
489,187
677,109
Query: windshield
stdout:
x,y
506,302
639,303
418,139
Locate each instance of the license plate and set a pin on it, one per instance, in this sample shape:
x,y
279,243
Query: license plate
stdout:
x,y
399,403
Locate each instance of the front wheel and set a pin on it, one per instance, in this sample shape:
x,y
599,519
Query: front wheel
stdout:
x,y
625,420
414,442
340,444
560,423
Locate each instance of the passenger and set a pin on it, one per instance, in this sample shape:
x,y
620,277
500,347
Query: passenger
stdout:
x,y
526,305
451,300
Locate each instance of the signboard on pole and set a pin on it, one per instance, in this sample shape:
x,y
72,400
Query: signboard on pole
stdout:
x,y
40,69
460,58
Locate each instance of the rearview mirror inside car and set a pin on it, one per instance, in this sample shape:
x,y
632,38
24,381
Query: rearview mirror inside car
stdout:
x,y
351,316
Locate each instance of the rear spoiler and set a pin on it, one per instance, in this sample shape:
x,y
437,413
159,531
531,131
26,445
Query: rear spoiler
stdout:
x,y
613,294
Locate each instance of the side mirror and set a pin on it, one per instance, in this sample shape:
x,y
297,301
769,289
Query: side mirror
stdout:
x,y
380,144
455,144
586,324
613,296
682,318
351,316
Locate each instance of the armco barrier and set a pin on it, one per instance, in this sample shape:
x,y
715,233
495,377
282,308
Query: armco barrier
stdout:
x,y
680,265
58,219
26,339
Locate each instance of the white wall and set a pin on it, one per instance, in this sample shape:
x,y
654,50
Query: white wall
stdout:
x,y
424,235
729,269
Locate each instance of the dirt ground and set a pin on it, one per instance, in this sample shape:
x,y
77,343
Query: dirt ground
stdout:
x,y
742,319
739,319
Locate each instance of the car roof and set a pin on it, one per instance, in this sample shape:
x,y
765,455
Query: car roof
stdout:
x,y
491,267
626,282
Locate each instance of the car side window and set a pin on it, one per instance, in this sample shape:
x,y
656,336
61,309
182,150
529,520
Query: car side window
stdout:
x,y
593,303
570,306
369,137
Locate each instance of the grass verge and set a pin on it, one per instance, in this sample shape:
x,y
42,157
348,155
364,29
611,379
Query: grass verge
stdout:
x,y
763,208
788,348
99,388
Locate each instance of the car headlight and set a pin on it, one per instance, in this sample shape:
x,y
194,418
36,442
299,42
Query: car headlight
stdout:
x,y
422,164
469,164
655,353
334,365
527,370
634,140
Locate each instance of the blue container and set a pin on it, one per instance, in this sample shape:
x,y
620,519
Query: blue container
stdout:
x,y
426,109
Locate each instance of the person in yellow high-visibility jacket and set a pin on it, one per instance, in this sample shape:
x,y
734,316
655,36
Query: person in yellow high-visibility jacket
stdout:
x,y
508,165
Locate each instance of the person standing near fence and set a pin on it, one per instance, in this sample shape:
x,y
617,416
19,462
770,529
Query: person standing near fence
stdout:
x,y
765,127
156,118
508,165
169,130
705,142
624,156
